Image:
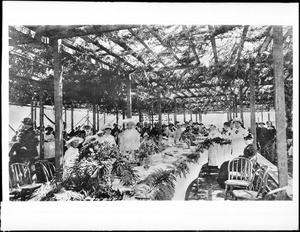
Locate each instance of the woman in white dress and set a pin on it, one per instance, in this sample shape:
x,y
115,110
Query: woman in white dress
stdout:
x,y
49,145
129,140
213,156
226,148
71,156
107,137
237,136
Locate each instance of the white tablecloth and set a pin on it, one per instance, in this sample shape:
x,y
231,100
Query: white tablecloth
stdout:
x,y
164,162
182,183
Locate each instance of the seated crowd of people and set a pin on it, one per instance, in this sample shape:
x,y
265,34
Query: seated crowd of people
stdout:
x,y
128,138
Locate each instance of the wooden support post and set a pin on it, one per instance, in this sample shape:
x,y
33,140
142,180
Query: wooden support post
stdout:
x,y
72,116
124,116
191,116
262,114
34,122
104,118
58,106
66,116
175,112
117,117
241,103
280,116
159,116
196,117
168,118
200,117
88,117
31,110
140,116
269,116
235,105
129,101
252,106
184,119
98,117
42,140
94,117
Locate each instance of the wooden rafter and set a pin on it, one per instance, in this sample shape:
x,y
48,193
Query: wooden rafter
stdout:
x,y
213,44
67,44
193,46
96,43
146,46
63,32
241,44
164,44
127,48
169,49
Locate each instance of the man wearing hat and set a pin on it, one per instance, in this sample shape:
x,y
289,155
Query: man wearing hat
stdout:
x,y
261,132
25,151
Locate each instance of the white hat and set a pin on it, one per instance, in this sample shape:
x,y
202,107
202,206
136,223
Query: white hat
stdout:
x,y
107,126
80,140
99,132
90,138
129,121
237,120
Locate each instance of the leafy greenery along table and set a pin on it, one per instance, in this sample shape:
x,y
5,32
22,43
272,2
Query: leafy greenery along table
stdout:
x,y
102,173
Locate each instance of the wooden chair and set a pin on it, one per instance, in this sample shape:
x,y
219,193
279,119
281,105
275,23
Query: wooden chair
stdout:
x,y
21,183
239,174
258,188
47,168
275,194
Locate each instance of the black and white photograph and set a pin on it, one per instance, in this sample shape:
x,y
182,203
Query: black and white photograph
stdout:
x,y
166,115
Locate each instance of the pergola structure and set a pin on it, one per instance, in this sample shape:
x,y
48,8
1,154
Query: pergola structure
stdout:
x,y
202,68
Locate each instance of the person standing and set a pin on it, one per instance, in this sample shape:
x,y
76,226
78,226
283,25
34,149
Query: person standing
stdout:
x,y
213,150
25,149
237,137
129,140
226,148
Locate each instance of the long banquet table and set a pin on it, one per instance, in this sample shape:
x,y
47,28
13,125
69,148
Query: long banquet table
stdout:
x,y
165,162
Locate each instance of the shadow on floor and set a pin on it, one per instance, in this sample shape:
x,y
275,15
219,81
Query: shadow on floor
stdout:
x,y
208,188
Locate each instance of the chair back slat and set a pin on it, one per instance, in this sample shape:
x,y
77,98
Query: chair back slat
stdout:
x,y
48,169
20,175
240,168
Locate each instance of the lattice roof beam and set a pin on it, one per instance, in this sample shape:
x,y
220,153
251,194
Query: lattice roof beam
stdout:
x,y
127,48
241,44
168,47
61,32
193,46
96,43
26,38
213,44
162,43
67,44
204,95
34,61
146,46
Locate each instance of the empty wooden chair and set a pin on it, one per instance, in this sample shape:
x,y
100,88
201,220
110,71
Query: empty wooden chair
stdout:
x,y
239,174
21,183
47,169
258,188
